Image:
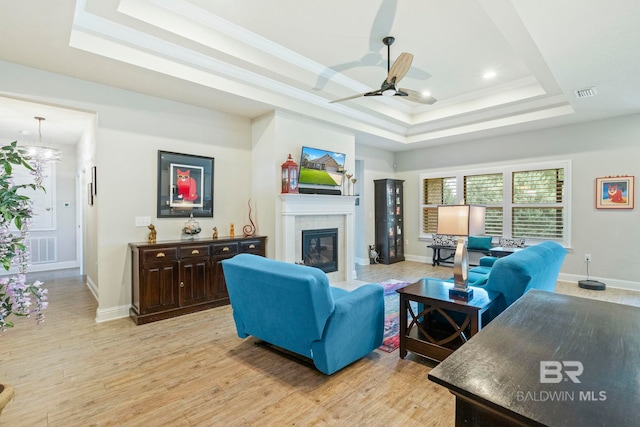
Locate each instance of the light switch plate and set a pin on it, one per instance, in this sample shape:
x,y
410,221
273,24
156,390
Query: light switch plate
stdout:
x,y
143,221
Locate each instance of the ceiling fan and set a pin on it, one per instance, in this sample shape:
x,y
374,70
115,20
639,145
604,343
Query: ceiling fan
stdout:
x,y
395,73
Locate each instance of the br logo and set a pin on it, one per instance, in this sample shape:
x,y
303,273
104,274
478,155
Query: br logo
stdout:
x,y
553,372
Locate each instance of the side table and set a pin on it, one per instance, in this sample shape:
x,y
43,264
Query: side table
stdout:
x,y
440,325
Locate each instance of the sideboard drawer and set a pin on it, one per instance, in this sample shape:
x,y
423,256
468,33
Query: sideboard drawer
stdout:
x,y
156,255
225,248
251,246
194,251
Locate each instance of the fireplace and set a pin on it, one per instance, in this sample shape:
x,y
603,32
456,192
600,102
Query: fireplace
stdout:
x,y
315,212
320,249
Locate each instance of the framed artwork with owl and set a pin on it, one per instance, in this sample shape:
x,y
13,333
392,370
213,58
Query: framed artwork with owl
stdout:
x,y
185,185
615,192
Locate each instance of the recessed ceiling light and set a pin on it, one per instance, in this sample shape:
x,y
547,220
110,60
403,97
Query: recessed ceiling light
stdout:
x,y
426,93
489,74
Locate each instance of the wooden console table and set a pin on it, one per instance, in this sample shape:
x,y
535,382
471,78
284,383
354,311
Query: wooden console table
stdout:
x,y
183,276
441,324
437,258
498,378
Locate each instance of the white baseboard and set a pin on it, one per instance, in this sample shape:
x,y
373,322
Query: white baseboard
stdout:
x,y
362,261
112,313
106,314
93,288
53,266
417,258
46,266
611,283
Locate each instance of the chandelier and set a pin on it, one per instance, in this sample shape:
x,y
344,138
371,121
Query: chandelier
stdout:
x,y
39,154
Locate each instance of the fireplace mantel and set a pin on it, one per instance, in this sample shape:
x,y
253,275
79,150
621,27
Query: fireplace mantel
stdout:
x,y
317,204
293,206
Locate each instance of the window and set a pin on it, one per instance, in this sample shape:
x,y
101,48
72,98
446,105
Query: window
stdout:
x,y
436,191
487,190
526,201
537,204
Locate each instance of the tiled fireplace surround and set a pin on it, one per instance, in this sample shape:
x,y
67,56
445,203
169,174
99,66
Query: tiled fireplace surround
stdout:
x,y
315,211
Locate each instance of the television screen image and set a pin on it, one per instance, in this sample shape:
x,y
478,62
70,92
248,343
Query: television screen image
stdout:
x,y
321,167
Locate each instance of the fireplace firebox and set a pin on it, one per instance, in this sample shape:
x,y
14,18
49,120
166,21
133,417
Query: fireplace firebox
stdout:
x,y
320,249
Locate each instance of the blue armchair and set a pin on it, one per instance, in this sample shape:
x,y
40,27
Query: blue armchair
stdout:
x,y
293,307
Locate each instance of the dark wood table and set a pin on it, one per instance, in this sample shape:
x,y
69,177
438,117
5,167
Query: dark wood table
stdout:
x,y
549,360
440,324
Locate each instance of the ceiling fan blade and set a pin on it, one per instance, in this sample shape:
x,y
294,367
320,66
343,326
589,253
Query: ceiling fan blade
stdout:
x,y
415,96
400,68
348,97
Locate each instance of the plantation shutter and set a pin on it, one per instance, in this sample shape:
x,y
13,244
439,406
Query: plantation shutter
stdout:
x,y
538,205
436,191
487,190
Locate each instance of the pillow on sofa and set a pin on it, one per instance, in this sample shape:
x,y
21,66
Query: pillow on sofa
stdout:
x,y
505,242
444,240
477,242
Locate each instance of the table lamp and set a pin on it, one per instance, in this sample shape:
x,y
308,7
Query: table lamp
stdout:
x,y
461,220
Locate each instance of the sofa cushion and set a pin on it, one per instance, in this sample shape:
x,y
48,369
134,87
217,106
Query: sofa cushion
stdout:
x,y
479,242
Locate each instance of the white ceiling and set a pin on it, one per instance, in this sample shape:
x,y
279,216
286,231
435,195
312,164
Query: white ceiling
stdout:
x,y
248,57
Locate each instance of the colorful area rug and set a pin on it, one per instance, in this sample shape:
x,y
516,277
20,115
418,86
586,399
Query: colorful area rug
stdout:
x,y
391,337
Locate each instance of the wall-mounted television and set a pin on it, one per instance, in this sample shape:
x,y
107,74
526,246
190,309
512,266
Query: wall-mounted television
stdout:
x,y
321,167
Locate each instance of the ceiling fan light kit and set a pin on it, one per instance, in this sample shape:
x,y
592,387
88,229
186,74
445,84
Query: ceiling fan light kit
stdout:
x,y
395,73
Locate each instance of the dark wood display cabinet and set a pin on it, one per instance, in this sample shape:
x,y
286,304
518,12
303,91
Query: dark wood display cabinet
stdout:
x,y
389,226
183,276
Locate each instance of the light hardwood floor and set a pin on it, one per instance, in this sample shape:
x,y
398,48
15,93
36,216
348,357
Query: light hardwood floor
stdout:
x,y
194,370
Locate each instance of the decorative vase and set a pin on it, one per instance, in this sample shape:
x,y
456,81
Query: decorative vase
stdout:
x,y
191,228
6,394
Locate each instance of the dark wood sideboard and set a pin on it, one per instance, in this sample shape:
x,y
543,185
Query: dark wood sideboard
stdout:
x,y
177,277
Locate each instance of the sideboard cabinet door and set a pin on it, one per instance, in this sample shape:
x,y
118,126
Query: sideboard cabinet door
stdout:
x,y
195,272
221,252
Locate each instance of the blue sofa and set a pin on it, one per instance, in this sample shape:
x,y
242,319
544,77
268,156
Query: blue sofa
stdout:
x,y
293,307
535,267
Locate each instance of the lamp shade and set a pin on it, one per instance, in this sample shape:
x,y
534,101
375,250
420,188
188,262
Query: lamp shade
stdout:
x,y
461,220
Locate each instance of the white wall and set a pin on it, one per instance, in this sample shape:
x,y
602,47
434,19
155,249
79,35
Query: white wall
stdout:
x,y
376,164
599,148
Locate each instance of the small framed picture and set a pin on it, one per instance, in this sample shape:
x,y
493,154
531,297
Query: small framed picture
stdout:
x,y
94,180
615,192
90,193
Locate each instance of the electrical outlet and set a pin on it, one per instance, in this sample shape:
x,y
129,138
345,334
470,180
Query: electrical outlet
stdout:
x,y
587,257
